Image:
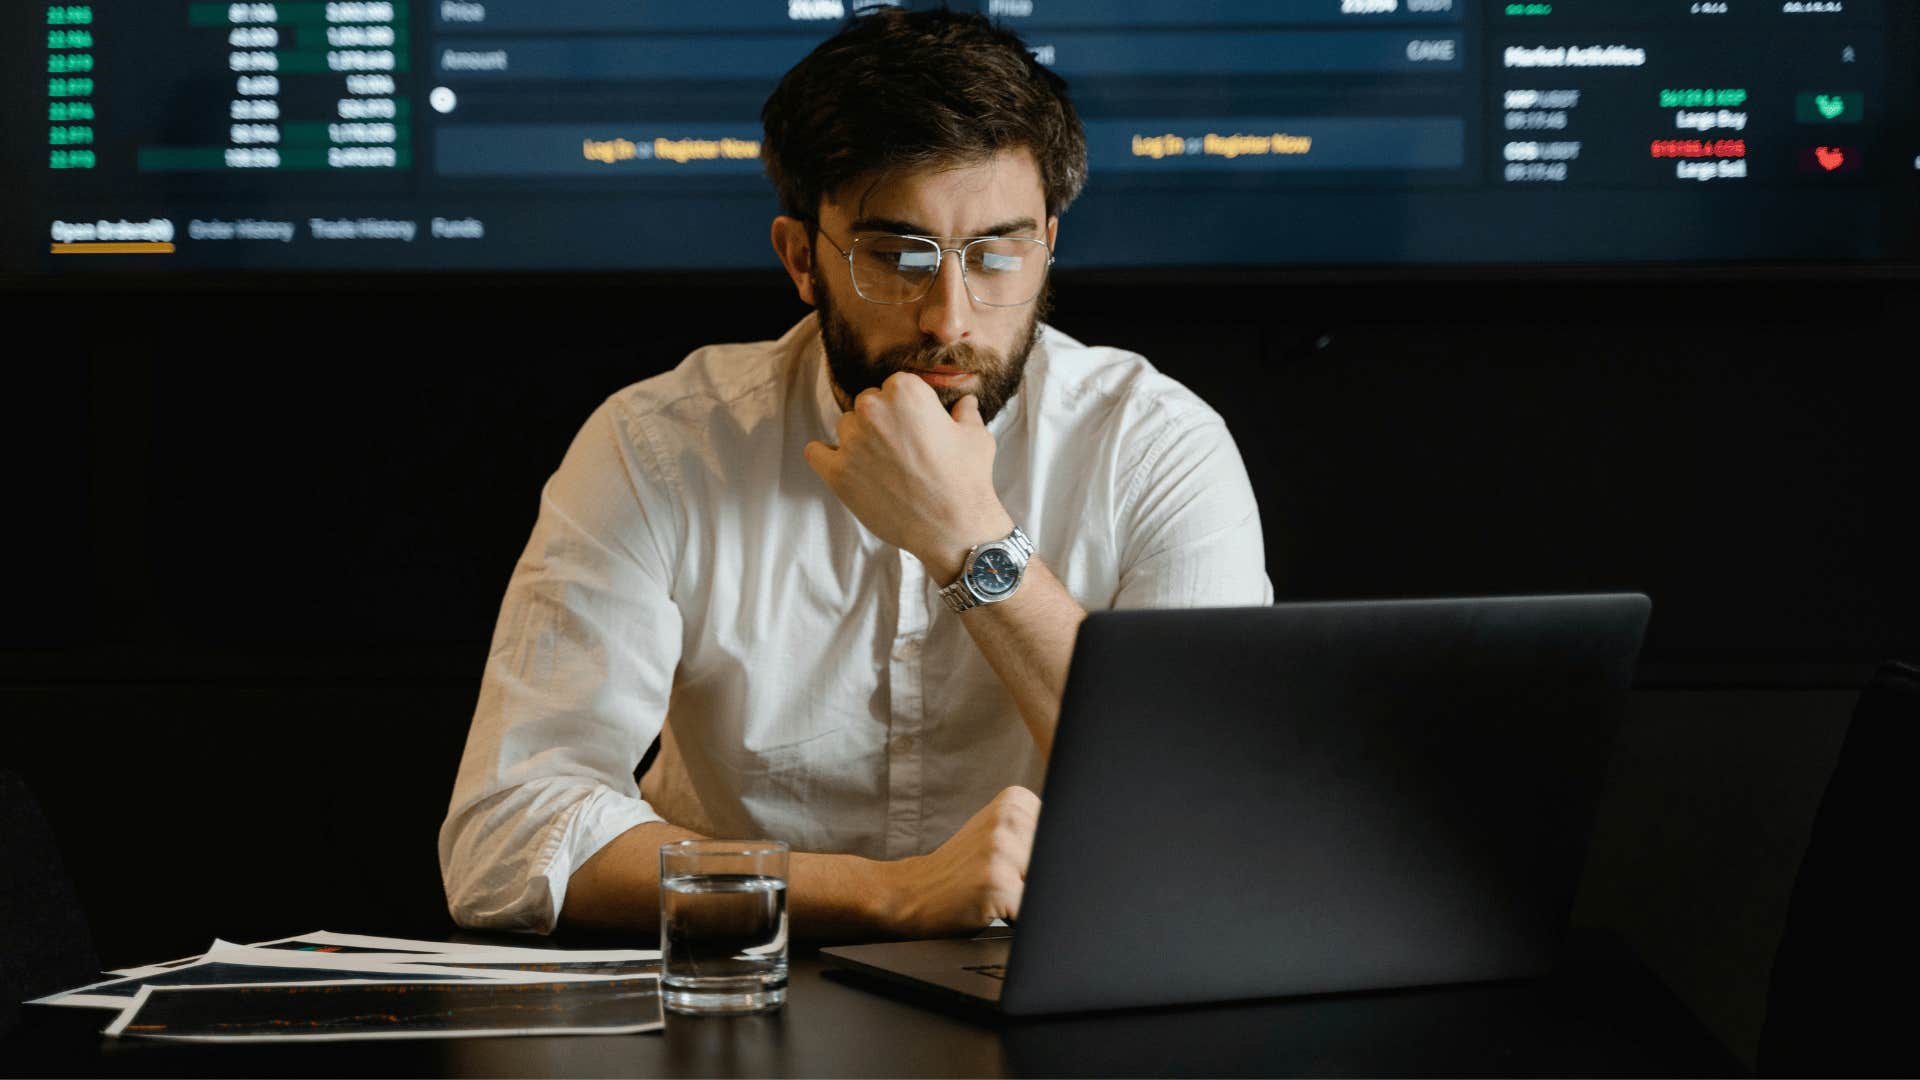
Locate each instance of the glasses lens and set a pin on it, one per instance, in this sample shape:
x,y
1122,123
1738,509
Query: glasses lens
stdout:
x,y
894,269
1006,271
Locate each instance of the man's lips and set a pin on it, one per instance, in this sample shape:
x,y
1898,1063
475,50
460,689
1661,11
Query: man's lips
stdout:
x,y
942,376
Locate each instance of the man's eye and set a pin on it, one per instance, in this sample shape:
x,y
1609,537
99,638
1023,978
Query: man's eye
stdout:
x,y
915,260
990,260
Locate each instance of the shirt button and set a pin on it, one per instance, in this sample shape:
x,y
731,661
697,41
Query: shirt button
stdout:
x,y
906,650
903,745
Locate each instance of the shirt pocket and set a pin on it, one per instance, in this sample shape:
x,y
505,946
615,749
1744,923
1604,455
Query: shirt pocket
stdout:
x,y
784,748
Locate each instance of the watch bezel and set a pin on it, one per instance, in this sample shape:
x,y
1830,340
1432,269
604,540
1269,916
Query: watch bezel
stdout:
x,y
962,596
979,554
1017,552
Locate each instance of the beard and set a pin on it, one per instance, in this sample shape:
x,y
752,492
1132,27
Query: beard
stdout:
x,y
854,370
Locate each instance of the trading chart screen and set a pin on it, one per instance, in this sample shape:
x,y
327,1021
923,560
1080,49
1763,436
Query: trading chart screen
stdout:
x,y
418,135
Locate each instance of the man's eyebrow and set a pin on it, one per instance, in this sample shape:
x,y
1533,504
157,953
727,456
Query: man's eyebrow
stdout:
x,y
911,228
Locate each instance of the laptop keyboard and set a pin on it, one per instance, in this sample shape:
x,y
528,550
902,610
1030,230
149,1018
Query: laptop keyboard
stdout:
x,y
997,971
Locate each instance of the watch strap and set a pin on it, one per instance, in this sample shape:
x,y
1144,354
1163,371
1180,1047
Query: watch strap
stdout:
x,y
958,596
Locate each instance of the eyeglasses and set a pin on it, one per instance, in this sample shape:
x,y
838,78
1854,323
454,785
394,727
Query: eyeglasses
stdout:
x,y
998,271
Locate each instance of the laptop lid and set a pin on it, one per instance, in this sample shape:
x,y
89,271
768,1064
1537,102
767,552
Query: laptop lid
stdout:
x,y
1319,797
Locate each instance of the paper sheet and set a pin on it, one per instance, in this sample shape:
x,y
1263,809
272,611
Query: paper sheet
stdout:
x,y
387,944
318,941
367,942
555,965
404,950
229,963
363,960
339,1010
164,965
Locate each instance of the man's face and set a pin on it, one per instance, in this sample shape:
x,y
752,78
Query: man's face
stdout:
x,y
958,346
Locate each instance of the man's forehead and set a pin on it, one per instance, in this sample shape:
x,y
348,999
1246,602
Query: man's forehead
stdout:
x,y
970,195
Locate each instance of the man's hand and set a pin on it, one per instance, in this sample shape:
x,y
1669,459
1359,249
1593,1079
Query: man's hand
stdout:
x,y
977,876
916,476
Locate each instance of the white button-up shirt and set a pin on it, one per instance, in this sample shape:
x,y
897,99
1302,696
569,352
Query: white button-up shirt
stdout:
x,y
689,572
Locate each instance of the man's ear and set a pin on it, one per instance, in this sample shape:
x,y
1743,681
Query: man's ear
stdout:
x,y
793,242
1053,234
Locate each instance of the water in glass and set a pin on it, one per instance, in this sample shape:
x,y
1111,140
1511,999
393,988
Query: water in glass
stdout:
x,y
724,942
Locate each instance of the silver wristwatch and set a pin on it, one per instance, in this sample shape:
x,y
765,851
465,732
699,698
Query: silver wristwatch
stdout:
x,y
993,571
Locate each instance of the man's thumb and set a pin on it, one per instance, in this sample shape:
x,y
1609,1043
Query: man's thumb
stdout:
x,y
967,411
818,453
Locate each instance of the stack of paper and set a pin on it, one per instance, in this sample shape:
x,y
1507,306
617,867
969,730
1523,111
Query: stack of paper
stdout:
x,y
327,986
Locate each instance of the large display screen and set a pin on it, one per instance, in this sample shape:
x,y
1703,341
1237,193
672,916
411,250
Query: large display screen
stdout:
x,y
370,135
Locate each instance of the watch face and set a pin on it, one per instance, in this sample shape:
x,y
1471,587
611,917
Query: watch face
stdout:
x,y
994,573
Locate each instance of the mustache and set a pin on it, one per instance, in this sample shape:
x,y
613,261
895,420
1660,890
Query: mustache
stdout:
x,y
966,357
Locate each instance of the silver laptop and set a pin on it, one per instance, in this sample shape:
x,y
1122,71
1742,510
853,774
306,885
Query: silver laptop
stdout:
x,y
1301,799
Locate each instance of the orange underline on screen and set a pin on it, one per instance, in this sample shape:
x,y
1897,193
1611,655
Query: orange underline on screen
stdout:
x,y
136,247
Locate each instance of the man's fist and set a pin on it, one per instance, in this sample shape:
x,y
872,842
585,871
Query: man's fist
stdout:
x,y
977,876
918,477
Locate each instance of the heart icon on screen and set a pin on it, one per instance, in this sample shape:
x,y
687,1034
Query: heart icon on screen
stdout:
x,y
1829,157
1830,105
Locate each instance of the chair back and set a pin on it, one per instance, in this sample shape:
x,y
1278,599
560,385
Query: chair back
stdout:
x,y
45,944
1840,998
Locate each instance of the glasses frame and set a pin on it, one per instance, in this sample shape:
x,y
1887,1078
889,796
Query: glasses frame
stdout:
x,y
965,280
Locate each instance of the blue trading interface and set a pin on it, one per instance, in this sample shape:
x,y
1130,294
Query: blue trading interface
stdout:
x,y
367,135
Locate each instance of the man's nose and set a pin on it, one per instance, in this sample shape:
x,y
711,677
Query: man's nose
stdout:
x,y
946,310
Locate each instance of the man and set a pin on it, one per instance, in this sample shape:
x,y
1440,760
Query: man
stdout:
x,y
759,556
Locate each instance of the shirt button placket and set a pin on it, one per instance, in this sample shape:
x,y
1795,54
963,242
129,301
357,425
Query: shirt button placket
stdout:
x,y
905,788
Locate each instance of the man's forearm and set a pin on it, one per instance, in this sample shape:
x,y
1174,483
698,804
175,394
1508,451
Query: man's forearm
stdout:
x,y
828,896
1028,641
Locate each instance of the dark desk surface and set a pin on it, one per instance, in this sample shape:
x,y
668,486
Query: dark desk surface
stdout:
x,y
1604,1016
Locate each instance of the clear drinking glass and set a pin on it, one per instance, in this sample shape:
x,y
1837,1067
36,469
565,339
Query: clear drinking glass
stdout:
x,y
723,925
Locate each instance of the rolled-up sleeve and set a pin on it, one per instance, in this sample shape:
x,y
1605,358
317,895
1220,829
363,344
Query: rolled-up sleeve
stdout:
x,y
575,687
1189,528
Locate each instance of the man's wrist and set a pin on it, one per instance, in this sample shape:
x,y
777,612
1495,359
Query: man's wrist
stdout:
x,y
888,898
948,556
883,896
840,897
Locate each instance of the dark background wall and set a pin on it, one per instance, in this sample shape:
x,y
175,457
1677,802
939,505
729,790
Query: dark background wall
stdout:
x,y
256,538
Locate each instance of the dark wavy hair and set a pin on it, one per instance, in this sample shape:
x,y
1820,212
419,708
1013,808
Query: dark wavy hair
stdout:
x,y
898,90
